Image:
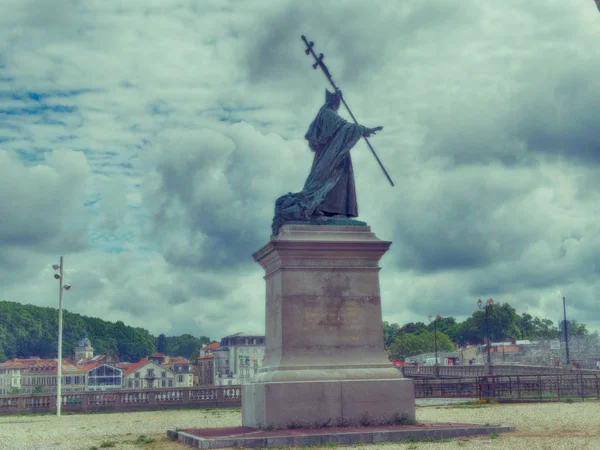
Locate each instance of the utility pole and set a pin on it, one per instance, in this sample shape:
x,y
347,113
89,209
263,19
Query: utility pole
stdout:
x,y
565,327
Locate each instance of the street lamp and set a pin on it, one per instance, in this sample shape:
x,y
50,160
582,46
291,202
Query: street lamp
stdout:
x,y
66,287
489,302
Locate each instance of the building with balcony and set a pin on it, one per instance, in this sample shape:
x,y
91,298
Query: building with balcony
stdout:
x,y
238,358
146,374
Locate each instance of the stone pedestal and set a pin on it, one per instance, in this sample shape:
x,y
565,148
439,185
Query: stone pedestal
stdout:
x,y
325,362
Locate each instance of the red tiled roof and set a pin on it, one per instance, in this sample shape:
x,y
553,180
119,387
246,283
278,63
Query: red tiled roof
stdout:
x,y
210,356
130,367
156,355
178,360
213,346
89,367
13,365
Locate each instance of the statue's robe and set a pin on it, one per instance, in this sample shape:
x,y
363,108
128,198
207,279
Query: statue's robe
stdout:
x,y
329,189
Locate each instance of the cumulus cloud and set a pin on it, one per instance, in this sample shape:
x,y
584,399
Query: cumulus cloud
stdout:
x,y
148,140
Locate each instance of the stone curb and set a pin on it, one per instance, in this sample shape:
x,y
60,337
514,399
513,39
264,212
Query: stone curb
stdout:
x,y
349,438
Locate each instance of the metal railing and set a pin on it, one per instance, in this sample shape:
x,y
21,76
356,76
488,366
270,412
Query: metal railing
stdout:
x,y
512,388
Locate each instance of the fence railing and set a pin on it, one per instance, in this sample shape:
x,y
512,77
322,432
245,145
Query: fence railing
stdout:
x,y
511,388
494,369
500,388
127,400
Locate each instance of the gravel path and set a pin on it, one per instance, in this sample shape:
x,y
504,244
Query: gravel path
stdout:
x,y
539,426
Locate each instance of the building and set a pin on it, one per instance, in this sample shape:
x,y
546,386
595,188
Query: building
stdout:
x,y
84,348
40,376
209,349
103,377
10,376
238,358
204,367
183,370
205,375
146,374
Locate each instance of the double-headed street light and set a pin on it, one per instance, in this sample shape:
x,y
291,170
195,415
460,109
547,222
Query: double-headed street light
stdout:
x,y
61,287
489,302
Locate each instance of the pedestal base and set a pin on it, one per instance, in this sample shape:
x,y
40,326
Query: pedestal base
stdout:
x,y
327,403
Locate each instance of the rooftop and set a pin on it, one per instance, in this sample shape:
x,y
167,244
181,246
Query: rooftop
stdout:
x,y
245,334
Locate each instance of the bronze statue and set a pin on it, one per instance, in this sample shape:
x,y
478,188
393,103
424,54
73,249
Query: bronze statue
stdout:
x,y
329,190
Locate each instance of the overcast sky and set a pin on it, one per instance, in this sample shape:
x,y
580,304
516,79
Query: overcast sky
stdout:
x,y
147,140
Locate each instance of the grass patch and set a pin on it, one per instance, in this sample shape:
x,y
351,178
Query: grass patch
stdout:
x,y
108,444
494,436
467,406
143,439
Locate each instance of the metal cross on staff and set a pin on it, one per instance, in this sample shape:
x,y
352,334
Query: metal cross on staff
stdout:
x,y
319,63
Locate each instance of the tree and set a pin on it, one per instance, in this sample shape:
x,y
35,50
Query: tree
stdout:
x,y
390,333
574,329
414,327
446,325
503,324
409,344
161,343
536,328
185,344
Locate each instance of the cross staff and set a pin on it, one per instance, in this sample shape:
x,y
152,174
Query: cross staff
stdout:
x,y
319,63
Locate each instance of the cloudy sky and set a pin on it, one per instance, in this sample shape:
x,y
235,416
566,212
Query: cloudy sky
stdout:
x,y
147,140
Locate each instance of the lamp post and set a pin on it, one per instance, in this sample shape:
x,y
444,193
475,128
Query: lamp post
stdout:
x,y
489,302
66,287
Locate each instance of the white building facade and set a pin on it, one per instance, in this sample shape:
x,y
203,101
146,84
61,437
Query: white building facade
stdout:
x,y
10,377
238,358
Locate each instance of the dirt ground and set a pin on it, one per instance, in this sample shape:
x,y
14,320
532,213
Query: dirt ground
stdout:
x,y
539,426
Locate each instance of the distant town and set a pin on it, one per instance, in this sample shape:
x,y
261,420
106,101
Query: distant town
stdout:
x,y
229,362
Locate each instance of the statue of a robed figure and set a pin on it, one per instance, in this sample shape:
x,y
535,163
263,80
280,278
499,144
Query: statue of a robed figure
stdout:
x,y
325,361
329,190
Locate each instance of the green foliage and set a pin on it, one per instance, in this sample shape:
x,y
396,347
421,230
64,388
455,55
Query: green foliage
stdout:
x,y
503,321
143,439
574,329
185,345
408,344
161,343
28,330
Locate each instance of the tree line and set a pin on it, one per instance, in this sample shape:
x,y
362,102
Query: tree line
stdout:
x,y
504,325
28,330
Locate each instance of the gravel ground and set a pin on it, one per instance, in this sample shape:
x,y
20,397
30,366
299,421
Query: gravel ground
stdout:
x,y
539,426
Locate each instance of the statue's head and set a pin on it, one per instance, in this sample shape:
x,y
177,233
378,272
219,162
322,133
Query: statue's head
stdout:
x,y
332,99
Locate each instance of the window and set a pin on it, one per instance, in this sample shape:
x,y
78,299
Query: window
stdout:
x,y
137,374
150,384
137,383
164,383
151,373
170,383
163,374
180,378
130,384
